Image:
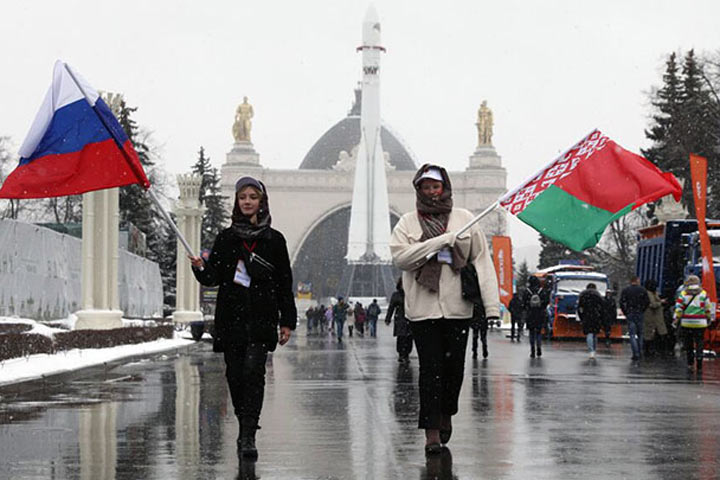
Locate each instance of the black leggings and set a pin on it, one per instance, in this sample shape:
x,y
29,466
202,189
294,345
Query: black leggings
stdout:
x,y
693,342
245,375
441,345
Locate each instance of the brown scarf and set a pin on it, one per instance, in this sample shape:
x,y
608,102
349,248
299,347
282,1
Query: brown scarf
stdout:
x,y
434,214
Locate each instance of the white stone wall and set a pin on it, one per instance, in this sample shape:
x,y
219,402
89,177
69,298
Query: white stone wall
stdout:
x,y
40,275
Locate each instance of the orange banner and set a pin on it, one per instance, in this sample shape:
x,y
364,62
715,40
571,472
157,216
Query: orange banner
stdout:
x,y
698,173
502,256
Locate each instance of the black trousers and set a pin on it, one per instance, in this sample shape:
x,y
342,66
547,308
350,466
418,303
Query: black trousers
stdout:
x,y
245,373
404,345
693,339
441,345
482,329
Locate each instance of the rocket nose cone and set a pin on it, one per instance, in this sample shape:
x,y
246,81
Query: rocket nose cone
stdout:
x,y
371,14
371,27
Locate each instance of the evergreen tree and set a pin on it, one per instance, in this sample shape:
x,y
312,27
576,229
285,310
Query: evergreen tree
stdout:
x,y
686,121
165,243
8,208
552,252
215,216
137,208
663,132
522,276
135,205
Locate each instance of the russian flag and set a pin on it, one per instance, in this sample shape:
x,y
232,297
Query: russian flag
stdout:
x,y
75,145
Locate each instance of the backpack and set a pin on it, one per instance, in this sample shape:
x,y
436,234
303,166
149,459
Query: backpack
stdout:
x,y
535,301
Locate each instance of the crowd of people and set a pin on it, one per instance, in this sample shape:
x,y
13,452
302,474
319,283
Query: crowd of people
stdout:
x,y
334,318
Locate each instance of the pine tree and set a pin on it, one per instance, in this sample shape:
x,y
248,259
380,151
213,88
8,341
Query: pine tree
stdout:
x,y
686,121
135,205
137,208
552,252
663,132
215,216
522,276
165,243
8,208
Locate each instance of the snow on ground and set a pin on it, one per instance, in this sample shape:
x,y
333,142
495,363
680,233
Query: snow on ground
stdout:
x,y
36,366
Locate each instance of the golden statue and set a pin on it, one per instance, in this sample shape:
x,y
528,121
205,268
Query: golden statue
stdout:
x,y
484,125
243,124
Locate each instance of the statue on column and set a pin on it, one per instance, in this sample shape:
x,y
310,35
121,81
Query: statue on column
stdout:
x,y
484,125
243,124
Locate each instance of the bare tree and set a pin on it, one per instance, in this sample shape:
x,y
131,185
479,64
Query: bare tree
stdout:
x,y
615,254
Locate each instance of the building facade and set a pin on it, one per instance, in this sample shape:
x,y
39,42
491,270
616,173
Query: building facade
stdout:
x,y
311,204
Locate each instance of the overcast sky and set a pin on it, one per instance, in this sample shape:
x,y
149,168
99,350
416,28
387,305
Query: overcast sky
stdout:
x,y
550,70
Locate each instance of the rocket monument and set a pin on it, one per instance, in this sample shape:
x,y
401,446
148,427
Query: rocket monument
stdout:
x,y
368,272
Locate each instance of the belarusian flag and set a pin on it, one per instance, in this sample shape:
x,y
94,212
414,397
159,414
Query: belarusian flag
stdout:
x,y
578,194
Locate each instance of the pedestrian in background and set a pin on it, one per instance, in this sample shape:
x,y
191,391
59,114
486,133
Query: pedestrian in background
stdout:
x,y
340,314
350,321
634,301
319,315
479,325
310,317
516,317
693,314
373,312
425,248
535,304
401,327
591,308
360,318
654,328
250,264
329,319
609,314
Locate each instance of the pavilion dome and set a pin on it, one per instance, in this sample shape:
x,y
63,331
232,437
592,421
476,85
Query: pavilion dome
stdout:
x,y
345,135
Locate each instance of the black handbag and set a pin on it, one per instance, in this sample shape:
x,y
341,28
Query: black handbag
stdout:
x,y
471,289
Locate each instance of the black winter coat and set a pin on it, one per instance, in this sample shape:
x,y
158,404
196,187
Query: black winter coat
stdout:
x,y
634,299
535,317
516,308
396,308
250,314
591,310
610,317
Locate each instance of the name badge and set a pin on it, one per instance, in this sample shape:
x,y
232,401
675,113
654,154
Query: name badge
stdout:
x,y
241,274
444,256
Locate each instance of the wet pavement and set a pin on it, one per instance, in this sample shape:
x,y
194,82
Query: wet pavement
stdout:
x,y
349,412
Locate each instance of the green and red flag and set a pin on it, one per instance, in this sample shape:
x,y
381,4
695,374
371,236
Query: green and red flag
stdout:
x,y
578,194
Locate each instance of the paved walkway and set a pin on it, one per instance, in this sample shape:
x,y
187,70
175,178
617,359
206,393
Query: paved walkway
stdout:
x,y
349,412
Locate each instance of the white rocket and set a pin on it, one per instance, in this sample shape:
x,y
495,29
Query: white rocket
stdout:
x,y
369,234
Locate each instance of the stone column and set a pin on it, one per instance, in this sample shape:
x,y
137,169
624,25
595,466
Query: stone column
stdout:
x,y
189,212
100,301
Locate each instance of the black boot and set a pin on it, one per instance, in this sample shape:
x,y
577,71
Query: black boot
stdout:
x,y
698,365
539,351
247,438
485,351
532,351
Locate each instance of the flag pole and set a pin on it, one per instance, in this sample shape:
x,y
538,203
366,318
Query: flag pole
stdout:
x,y
472,222
133,167
478,217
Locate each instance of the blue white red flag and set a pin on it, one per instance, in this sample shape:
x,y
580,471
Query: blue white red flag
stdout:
x,y
75,145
